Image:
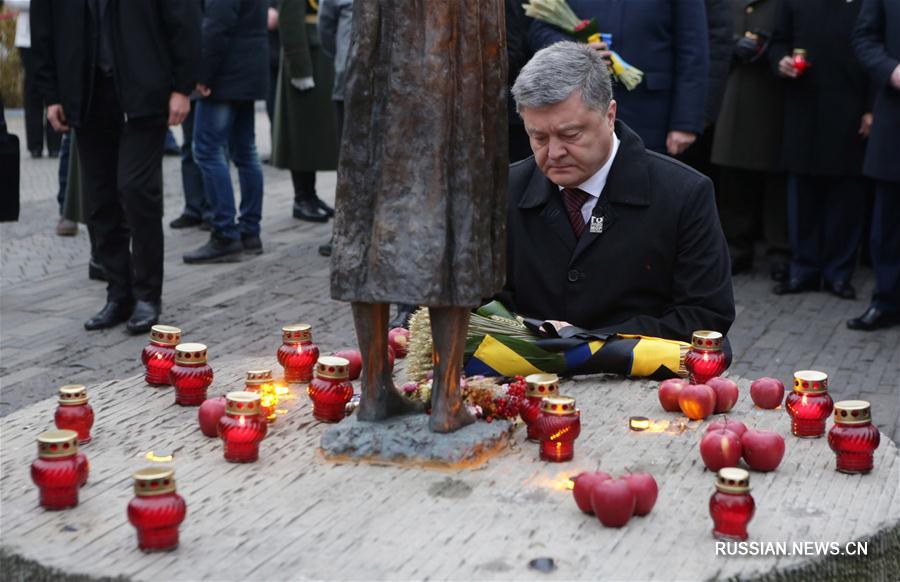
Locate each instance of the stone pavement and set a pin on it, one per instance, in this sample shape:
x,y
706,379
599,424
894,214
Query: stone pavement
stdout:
x,y
238,309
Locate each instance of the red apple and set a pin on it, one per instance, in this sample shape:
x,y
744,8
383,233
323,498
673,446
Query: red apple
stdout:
x,y
697,401
726,393
355,359
398,338
720,448
763,449
735,426
584,483
209,414
767,392
668,393
645,490
613,502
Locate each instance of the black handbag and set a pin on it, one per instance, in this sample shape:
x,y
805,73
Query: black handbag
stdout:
x,y
9,172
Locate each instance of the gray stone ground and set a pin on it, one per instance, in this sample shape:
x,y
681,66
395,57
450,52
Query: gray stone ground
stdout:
x,y
239,308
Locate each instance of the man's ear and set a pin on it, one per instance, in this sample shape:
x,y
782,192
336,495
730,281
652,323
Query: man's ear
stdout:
x,y
611,114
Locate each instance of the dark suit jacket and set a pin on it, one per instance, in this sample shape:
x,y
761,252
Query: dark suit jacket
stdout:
x,y
668,41
877,43
660,268
156,45
235,63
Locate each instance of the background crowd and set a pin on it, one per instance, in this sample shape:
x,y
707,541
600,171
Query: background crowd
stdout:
x,y
792,107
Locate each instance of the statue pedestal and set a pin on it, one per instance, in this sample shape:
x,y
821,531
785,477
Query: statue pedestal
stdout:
x,y
407,440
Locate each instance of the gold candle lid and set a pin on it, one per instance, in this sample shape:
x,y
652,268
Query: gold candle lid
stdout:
x,y
296,333
852,412
54,444
810,382
72,395
558,406
333,368
242,403
541,385
190,354
733,480
258,377
165,334
799,51
154,481
708,340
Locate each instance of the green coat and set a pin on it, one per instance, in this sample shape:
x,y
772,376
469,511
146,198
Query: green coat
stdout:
x,y
304,133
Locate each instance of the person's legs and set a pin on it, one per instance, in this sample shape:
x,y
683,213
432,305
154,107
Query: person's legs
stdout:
x,y
886,246
805,225
213,123
34,106
196,208
245,157
307,205
844,201
739,201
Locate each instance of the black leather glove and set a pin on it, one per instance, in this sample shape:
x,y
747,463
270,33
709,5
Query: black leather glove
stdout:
x,y
746,49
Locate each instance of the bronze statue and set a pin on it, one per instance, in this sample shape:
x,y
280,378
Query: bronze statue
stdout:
x,y
421,193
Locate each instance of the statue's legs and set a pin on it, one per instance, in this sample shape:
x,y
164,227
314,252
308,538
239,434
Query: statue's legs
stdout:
x,y
379,398
448,329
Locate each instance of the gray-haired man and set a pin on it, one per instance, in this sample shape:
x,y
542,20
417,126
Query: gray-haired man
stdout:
x,y
603,233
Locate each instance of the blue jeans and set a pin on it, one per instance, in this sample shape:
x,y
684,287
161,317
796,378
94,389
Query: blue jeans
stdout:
x,y
223,128
195,205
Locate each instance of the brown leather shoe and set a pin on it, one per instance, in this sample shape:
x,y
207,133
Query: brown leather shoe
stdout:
x,y
66,227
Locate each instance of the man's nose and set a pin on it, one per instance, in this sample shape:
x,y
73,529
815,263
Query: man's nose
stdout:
x,y
556,149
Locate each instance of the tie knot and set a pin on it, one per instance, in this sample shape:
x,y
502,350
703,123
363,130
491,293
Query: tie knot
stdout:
x,y
576,196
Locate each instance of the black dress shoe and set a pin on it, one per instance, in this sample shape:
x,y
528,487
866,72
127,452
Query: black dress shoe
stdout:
x,y
780,272
185,221
96,271
796,286
310,211
404,313
325,250
216,250
144,316
328,209
112,314
842,289
251,244
874,319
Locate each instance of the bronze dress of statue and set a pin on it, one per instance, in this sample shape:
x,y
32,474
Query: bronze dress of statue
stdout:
x,y
421,192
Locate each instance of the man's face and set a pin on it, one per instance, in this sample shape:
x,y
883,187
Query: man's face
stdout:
x,y
570,141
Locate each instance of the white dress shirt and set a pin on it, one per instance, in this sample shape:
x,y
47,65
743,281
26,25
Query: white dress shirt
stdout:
x,y
595,184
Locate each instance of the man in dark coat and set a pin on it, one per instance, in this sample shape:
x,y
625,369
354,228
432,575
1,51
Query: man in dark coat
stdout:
x,y
668,42
825,125
602,233
118,72
752,188
877,44
234,73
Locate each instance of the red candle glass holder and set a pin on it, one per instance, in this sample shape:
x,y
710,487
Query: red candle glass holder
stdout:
x,y
853,438
799,60
809,404
261,382
731,506
84,468
558,427
57,471
297,354
74,412
156,510
190,374
705,359
159,355
242,427
537,387
331,390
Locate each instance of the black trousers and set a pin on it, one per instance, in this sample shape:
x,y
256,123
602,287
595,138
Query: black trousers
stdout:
x,y
36,125
121,166
885,246
753,203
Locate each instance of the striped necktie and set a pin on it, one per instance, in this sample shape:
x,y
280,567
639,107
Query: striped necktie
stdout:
x,y
574,199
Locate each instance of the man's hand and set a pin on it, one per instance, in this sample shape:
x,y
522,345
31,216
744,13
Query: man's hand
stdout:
x,y
865,124
786,67
203,90
179,107
602,48
273,19
57,118
895,78
678,141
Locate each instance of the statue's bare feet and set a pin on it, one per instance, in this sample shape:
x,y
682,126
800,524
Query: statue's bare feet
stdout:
x,y
447,420
387,402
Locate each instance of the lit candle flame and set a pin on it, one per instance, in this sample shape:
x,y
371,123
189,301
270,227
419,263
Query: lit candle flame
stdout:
x,y
161,457
559,482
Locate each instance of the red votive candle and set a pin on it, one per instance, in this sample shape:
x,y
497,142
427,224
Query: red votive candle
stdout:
x,y
242,427
159,355
58,471
705,359
156,510
297,353
799,60
537,387
853,438
731,506
261,382
558,427
809,404
190,375
331,390
74,412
